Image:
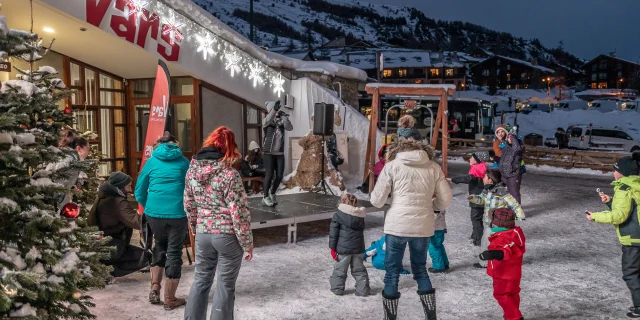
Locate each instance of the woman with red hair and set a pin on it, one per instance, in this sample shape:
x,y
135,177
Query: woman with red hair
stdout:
x,y
216,205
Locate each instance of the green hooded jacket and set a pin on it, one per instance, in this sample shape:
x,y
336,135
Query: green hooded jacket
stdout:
x,y
624,211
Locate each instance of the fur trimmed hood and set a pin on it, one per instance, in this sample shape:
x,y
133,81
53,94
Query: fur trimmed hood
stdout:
x,y
407,145
352,211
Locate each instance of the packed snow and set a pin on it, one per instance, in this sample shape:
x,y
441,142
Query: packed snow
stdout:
x,y
68,263
13,256
571,268
8,204
22,86
25,311
25,138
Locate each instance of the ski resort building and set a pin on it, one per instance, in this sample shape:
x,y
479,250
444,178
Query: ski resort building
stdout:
x,y
108,51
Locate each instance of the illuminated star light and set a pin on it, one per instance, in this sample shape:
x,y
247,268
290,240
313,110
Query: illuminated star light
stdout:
x,y
171,26
138,7
206,45
278,84
233,60
255,73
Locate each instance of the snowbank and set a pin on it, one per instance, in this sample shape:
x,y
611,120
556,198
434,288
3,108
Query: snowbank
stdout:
x,y
272,59
546,124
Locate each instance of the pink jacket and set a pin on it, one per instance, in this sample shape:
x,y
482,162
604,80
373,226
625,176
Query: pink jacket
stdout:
x,y
478,170
378,168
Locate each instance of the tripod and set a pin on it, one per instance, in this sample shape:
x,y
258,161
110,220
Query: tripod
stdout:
x,y
321,186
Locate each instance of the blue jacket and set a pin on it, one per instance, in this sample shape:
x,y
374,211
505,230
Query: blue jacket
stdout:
x,y
160,185
377,251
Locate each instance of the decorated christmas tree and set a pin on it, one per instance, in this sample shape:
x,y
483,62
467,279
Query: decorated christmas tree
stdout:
x,y
47,261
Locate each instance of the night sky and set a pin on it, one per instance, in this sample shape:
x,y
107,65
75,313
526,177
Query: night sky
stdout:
x,y
587,27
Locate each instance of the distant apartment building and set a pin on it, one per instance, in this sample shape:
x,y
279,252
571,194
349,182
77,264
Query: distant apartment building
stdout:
x,y
611,72
510,73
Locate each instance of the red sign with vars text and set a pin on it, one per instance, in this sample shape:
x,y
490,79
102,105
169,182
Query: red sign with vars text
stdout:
x,y
157,113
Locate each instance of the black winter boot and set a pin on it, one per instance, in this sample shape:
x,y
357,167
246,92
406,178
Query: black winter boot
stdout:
x,y
390,307
428,299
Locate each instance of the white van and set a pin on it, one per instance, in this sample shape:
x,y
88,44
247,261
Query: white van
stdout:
x,y
631,105
568,105
600,139
604,105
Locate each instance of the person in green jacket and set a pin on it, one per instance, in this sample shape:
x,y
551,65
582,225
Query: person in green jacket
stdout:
x,y
623,213
160,189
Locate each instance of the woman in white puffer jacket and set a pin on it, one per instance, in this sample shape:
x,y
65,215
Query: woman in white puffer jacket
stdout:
x,y
412,178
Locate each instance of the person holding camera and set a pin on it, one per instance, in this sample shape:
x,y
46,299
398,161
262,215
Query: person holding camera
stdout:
x,y
275,124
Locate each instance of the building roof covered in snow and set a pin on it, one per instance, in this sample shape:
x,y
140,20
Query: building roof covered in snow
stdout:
x,y
272,59
518,61
398,58
612,56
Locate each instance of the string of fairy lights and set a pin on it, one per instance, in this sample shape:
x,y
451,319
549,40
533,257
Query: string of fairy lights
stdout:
x,y
179,28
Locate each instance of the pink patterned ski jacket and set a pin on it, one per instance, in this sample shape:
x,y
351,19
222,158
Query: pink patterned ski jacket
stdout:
x,y
215,200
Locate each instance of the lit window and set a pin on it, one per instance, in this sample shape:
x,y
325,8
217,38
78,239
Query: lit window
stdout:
x,y
508,76
402,72
386,73
449,72
602,85
435,72
594,85
508,86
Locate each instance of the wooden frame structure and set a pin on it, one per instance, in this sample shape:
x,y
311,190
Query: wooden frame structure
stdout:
x,y
377,89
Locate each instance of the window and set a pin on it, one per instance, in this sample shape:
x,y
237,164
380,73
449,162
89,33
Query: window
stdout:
x,y
603,64
602,85
449,72
594,76
498,62
602,76
485,72
386,73
594,67
594,85
99,106
509,77
619,74
524,76
497,72
508,67
623,135
619,66
508,86
575,132
402,72
435,72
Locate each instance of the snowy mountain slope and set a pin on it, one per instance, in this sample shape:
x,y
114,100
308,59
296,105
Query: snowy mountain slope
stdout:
x,y
304,23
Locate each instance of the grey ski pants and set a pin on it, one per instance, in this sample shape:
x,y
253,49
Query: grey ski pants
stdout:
x,y
213,251
358,271
631,272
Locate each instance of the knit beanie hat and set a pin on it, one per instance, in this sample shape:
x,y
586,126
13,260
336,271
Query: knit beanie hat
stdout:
x,y
404,132
119,179
628,166
349,200
481,156
502,128
503,218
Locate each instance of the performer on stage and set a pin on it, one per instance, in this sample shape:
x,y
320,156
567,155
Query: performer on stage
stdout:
x,y
274,127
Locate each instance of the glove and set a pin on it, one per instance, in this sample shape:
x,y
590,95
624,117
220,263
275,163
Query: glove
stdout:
x,y
492,255
276,106
502,145
514,131
334,254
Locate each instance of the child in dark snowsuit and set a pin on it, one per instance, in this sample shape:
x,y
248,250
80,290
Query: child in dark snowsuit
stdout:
x,y
346,241
477,171
506,249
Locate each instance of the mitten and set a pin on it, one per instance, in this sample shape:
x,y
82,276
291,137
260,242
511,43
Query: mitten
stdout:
x,y
334,254
502,145
492,255
514,131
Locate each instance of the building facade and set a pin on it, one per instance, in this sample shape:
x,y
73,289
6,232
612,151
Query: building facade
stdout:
x,y
508,73
611,72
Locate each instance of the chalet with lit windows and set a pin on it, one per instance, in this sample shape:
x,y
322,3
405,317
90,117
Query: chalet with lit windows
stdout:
x,y
611,72
509,73
408,66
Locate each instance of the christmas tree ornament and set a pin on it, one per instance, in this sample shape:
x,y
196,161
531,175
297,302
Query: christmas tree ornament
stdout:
x,y
50,120
70,210
23,126
67,110
76,295
30,171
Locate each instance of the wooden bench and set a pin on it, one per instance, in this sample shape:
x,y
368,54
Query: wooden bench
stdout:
x,y
256,186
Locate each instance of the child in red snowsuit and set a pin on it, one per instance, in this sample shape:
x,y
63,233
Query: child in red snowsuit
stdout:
x,y
506,248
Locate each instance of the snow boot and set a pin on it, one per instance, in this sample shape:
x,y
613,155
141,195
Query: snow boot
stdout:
x,y
266,201
634,314
170,300
272,196
390,307
479,266
432,270
428,299
156,284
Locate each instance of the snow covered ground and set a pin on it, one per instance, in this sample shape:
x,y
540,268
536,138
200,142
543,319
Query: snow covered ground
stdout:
x,y
571,268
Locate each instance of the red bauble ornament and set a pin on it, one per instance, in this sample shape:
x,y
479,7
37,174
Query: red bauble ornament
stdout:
x,y
23,126
67,110
70,210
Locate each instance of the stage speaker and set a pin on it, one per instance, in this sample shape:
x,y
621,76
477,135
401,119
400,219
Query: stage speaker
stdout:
x,y
323,119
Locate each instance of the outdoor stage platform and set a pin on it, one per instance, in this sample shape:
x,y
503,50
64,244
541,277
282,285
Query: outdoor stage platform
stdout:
x,y
293,209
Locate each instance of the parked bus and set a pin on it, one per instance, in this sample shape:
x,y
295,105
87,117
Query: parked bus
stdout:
x,y
475,117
